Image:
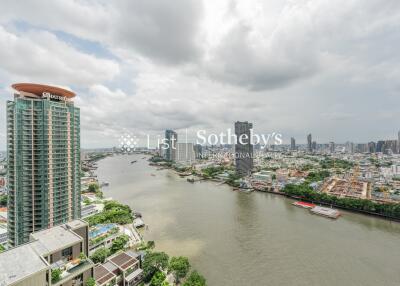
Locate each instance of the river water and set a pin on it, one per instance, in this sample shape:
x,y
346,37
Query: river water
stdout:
x,y
240,239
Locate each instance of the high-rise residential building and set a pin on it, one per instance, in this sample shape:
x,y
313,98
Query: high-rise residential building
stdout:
x,y
380,146
398,142
243,148
43,153
171,139
390,147
184,153
309,143
198,151
371,147
292,144
332,147
314,146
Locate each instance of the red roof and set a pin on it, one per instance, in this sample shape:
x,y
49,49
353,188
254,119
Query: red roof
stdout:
x,y
38,89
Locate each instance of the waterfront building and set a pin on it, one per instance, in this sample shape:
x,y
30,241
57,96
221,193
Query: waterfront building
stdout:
x,y
244,149
292,144
309,143
185,153
120,269
43,152
171,139
63,248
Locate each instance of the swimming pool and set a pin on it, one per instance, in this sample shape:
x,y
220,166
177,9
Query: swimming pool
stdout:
x,y
101,229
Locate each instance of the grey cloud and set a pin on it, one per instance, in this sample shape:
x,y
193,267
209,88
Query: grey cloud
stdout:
x,y
159,29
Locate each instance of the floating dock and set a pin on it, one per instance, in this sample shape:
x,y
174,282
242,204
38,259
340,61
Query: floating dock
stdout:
x,y
326,212
303,205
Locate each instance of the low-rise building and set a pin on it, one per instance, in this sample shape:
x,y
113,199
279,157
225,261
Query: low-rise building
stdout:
x,y
120,269
62,249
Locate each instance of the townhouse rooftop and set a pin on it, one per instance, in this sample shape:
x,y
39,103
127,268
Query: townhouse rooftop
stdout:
x,y
19,263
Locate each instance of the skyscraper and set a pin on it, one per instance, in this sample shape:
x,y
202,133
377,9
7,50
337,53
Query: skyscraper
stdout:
x,y
185,153
398,142
243,148
171,139
309,143
332,147
43,152
292,144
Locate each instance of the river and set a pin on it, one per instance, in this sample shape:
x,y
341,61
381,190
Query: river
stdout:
x,y
240,239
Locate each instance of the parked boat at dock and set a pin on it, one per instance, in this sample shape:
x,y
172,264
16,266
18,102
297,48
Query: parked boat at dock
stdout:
x,y
326,212
303,205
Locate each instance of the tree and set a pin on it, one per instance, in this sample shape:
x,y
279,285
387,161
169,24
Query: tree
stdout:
x,y
113,212
100,255
3,200
195,279
119,243
93,187
158,279
91,282
55,275
179,266
154,261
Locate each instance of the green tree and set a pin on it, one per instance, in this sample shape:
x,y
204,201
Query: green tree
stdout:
x,y
91,282
158,279
55,275
119,243
113,212
154,261
195,279
100,255
179,266
2,248
93,187
3,200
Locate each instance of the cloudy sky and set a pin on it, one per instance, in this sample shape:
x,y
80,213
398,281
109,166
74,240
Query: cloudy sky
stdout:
x,y
327,67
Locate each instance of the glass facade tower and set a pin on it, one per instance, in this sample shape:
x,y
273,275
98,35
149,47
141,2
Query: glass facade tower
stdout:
x,y
43,152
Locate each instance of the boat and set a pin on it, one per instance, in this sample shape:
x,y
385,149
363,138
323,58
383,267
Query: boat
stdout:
x,y
134,161
190,180
138,222
105,184
246,190
326,212
153,175
303,205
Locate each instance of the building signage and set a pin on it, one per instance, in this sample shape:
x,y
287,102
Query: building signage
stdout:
x,y
49,95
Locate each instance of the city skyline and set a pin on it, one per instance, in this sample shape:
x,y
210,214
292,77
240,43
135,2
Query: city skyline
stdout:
x,y
142,80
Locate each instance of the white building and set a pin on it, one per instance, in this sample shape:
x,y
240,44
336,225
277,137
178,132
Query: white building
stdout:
x,y
185,153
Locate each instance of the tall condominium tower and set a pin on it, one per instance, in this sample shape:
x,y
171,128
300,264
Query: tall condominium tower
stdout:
x,y
43,152
292,144
171,139
332,147
243,149
309,143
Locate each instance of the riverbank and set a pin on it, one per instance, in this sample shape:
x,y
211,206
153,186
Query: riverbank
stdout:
x,y
215,228
283,193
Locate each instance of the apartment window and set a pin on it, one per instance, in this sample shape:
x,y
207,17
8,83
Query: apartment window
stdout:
x,y
67,252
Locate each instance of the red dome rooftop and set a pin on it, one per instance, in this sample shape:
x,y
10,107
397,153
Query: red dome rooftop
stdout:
x,y
38,89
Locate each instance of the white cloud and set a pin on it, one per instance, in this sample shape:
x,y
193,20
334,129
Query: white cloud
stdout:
x,y
41,56
298,66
